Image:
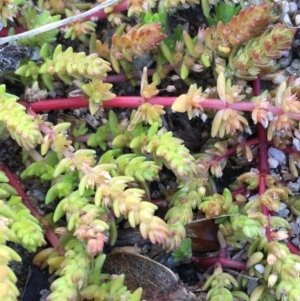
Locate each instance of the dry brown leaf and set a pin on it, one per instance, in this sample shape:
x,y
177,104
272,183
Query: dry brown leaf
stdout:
x,y
158,282
203,233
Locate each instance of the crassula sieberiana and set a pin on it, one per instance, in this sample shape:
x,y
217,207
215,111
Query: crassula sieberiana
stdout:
x,y
96,179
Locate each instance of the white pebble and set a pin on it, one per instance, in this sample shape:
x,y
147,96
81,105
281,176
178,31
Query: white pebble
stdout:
x,y
285,53
259,268
296,143
283,211
297,20
277,154
295,64
284,6
294,186
279,79
286,19
273,163
284,62
253,197
295,227
282,206
292,8
76,113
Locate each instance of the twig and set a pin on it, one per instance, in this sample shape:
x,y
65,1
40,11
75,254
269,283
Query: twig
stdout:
x,y
57,24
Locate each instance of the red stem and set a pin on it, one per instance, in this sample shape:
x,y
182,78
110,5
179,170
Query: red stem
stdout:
x,y
263,151
135,101
263,164
232,150
205,263
49,233
292,248
80,102
4,31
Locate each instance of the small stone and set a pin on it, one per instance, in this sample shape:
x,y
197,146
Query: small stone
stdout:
x,y
279,79
259,268
40,196
286,53
294,186
90,117
295,64
76,113
253,197
284,213
292,8
284,62
252,284
273,163
277,154
284,6
290,70
297,20
295,227
296,143
285,19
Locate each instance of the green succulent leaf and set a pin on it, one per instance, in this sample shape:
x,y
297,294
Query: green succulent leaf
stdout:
x,y
184,251
38,21
224,13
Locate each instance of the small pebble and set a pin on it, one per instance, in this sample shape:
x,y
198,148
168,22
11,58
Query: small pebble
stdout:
x,y
292,8
295,64
252,284
285,19
295,227
40,196
273,163
284,6
76,113
279,79
253,197
290,70
284,62
277,154
286,53
259,268
296,143
294,186
283,211
44,294
297,20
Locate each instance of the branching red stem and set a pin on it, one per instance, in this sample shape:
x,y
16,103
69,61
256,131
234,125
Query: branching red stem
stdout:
x,y
135,101
50,235
205,263
231,151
